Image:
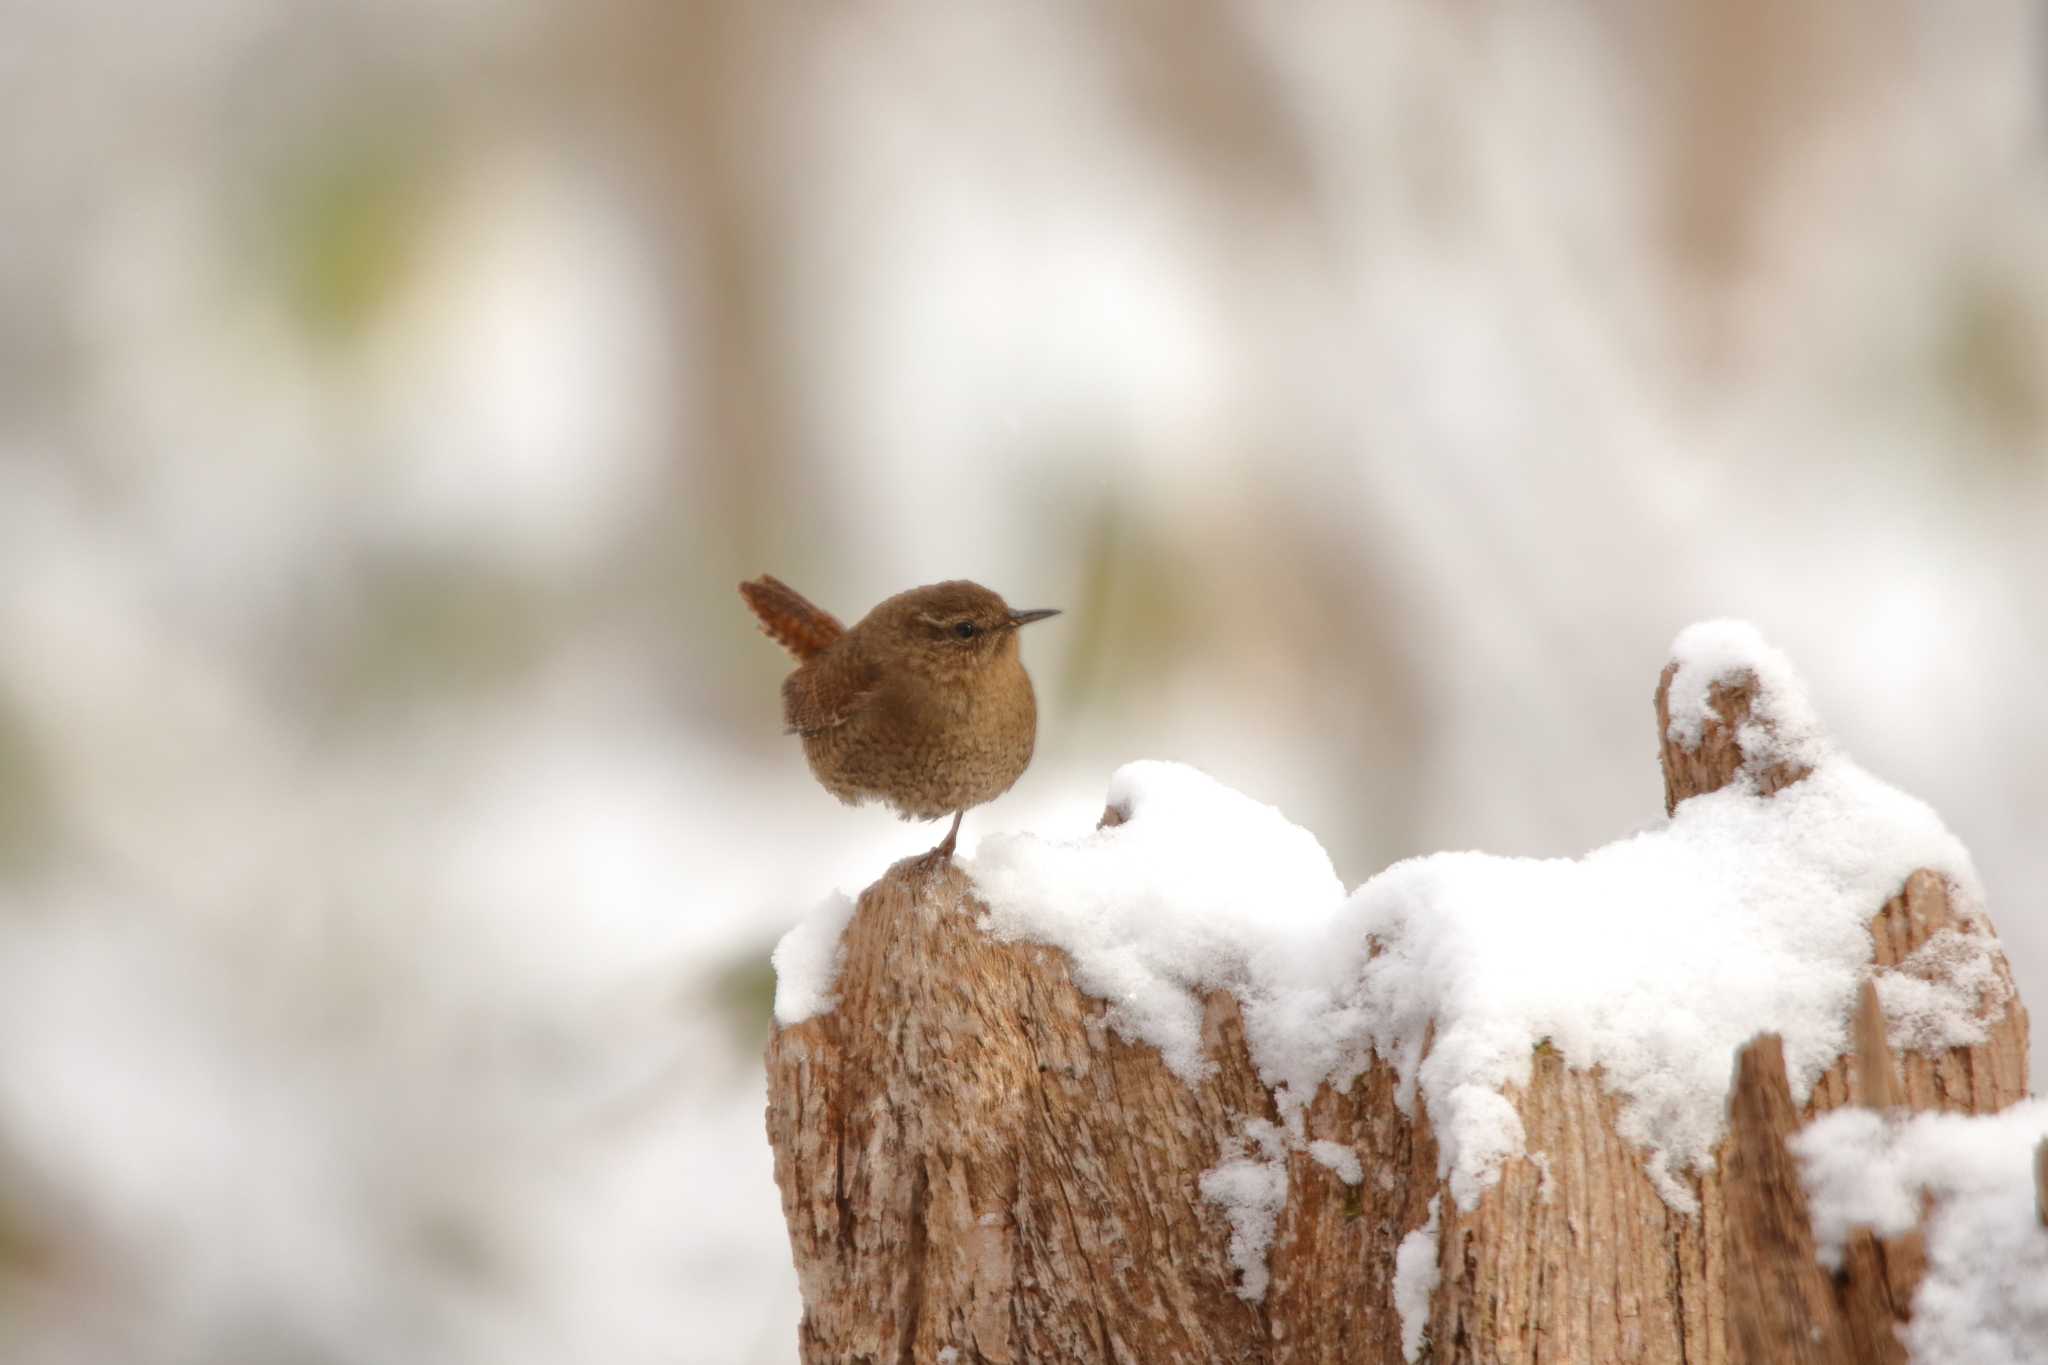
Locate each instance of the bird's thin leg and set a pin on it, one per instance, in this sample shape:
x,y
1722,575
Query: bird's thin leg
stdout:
x,y
944,852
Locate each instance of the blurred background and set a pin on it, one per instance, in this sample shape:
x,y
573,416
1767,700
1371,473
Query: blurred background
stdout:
x,y
394,814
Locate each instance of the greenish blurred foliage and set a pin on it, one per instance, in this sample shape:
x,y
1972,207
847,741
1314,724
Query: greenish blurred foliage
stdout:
x,y
1994,358
743,990
1132,608
346,219
438,630
29,821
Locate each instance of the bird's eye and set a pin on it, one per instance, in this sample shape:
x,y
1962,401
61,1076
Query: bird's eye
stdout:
x,y
966,630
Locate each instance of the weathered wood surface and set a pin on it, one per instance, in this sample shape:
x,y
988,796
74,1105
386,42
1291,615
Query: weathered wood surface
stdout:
x,y
970,1161
1781,1304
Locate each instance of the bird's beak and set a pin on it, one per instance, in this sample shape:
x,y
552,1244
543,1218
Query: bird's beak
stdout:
x,y
1025,618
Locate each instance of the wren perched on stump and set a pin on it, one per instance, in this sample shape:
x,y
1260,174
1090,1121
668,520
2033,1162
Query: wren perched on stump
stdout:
x,y
923,705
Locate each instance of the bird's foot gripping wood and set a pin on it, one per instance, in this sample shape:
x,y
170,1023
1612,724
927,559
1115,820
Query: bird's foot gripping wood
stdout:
x,y
942,853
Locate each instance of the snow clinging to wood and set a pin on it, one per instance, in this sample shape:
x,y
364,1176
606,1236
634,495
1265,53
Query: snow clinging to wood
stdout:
x,y
1984,1297
807,961
1252,1192
1417,1270
1339,1158
1654,958
1782,726
1196,891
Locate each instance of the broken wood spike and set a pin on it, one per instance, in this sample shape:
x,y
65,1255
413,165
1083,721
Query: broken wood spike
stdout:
x,y
2041,1181
1875,1088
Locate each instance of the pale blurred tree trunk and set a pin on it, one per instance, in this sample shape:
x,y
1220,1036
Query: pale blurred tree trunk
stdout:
x,y
1750,88
695,97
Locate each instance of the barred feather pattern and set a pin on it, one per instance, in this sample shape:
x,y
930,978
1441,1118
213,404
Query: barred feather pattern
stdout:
x,y
789,618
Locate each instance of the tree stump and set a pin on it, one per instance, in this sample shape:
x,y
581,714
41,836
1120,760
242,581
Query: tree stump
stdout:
x,y
974,1168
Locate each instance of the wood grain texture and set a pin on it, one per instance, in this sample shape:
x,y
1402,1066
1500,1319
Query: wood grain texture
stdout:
x,y
1781,1304
970,1159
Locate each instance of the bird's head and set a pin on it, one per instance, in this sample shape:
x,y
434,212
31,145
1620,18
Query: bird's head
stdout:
x,y
954,628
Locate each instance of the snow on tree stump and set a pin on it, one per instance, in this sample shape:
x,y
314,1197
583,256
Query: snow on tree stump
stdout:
x,y
1354,1137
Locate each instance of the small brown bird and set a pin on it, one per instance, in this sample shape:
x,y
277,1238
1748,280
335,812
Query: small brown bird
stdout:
x,y
924,704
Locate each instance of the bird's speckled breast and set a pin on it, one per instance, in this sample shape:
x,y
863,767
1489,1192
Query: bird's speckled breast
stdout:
x,y
929,750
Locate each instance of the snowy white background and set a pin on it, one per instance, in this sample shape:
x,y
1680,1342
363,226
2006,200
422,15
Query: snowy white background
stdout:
x,y
394,821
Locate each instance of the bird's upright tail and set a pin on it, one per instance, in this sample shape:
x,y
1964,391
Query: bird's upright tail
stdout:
x,y
789,618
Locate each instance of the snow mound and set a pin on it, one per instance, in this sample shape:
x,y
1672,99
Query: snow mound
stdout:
x,y
1192,893
1654,958
807,961
1782,727
1984,1298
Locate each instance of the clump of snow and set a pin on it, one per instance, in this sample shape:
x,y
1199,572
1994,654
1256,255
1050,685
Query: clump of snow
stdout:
x,y
1270,1138
1946,994
807,961
1416,1274
1782,725
1984,1298
1252,1193
1339,1158
1182,898
1654,958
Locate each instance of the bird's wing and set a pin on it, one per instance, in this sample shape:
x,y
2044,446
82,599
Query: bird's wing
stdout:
x,y
828,690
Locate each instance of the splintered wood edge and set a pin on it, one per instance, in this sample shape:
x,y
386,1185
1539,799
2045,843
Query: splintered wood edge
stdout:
x,y
1779,1293
1872,1068
2041,1181
1777,1288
